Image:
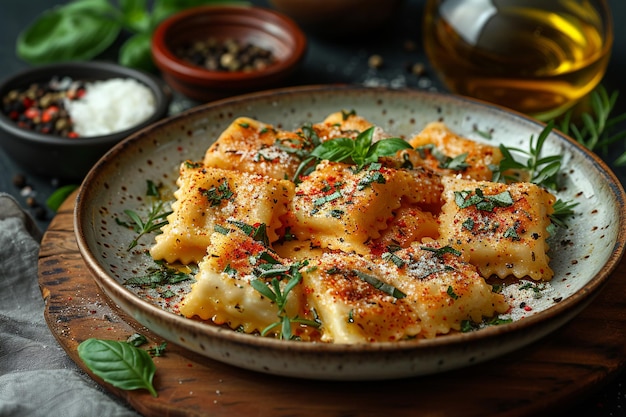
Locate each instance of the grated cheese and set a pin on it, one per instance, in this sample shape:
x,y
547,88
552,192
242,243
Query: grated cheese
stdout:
x,y
111,106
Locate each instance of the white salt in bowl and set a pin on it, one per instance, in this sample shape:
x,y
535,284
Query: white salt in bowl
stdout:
x,y
114,107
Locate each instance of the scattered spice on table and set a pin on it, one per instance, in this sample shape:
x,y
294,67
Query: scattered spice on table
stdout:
x,y
226,55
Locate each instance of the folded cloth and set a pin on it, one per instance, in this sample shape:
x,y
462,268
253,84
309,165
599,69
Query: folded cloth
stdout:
x,y
32,364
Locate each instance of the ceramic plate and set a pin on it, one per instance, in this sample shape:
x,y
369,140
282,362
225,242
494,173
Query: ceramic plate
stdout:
x,y
583,255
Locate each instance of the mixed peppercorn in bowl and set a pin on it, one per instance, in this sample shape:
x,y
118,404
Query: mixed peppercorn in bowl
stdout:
x,y
58,120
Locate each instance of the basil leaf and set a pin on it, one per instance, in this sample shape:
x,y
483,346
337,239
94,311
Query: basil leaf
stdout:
x,y
389,146
59,196
119,363
135,15
77,31
336,150
362,145
136,53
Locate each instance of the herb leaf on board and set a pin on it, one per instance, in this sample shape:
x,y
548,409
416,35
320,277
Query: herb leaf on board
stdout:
x,y
119,363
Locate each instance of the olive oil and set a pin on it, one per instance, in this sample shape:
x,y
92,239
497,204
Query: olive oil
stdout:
x,y
535,56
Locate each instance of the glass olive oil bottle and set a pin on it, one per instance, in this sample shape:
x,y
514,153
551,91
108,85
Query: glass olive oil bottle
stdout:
x,y
538,57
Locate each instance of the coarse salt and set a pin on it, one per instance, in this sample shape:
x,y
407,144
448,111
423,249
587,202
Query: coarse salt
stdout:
x,y
111,106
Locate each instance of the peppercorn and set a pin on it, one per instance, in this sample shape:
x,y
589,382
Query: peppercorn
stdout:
x,y
227,55
19,180
375,61
41,106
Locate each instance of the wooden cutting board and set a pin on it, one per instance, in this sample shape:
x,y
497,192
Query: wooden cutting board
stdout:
x,y
549,376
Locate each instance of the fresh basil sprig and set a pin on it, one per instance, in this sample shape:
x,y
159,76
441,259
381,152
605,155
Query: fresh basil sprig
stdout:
x,y
119,363
360,151
83,29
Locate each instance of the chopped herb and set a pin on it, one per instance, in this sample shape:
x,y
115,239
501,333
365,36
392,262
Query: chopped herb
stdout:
x,y
451,293
221,229
439,252
137,339
230,271
466,198
157,350
258,233
158,277
468,224
395,259
370,178
336,213
379,285
327,198
193,165
511,233
216,195
345,115
458,163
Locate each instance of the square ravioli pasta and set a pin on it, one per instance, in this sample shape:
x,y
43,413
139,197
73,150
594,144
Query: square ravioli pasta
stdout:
x,y
417,292
209,196
224,293
503,227
341,208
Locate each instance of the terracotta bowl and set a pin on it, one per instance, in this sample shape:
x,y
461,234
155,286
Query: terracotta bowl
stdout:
x,y
265,28
70,158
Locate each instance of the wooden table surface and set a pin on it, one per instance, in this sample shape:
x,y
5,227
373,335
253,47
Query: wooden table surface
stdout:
x,y
546,378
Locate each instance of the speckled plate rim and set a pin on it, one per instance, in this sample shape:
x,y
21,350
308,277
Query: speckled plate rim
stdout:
x,y
471,346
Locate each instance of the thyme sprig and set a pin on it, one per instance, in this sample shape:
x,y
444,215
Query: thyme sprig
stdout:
x,y
157,216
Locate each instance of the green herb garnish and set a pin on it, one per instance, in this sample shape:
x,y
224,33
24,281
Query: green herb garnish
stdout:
x,y
360,151
59,196
83,29
380,285
599,128
541,170
466,198
119,363
273,292
157,217
216,195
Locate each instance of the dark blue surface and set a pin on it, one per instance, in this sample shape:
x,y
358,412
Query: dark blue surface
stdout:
x,y
332,61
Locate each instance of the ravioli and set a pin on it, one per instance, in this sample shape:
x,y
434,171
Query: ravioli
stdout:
x,y
502,226
209,196
399,249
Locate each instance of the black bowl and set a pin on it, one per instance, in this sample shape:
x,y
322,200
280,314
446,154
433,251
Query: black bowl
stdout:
x,y
70,158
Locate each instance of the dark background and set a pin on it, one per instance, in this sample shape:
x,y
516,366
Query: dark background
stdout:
x,y
329,61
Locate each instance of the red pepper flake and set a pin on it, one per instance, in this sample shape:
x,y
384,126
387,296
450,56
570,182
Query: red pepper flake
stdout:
x,y
527,308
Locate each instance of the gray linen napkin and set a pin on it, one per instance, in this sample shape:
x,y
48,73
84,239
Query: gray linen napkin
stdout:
x,y
37,378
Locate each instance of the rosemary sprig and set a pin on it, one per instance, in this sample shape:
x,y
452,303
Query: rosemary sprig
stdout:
x,y
597,131
279,296
157,217
541,170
